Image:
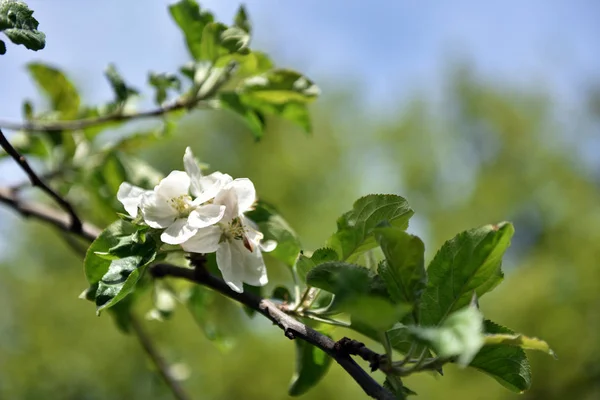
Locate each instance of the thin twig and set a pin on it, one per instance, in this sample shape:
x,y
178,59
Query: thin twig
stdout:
x,y
59,126
292,328
76,224
57,218
157,359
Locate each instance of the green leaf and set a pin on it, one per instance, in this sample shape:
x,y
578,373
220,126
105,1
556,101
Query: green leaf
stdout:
x,y
192,21
117,274
124,273
274,227
375,312
312,364
19,25
506,364
59,90
163,83
293,111
469,263
280,86
341,279
460,335
96,267
241,20
254,119
395,385
359,292
305,264
355,228
120,88
519,340
219,40
403,270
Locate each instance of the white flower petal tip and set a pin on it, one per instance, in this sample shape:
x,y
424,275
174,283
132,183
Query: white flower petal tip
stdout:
x,y
206,215
268,246
246,193
176,184
178,232
131,197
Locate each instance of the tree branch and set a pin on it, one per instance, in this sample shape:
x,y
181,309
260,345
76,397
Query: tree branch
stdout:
x,y
59,126
76,224
292,328
56,218
157,359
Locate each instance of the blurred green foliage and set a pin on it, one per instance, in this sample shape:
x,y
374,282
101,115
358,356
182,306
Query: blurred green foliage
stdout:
x,y
485,154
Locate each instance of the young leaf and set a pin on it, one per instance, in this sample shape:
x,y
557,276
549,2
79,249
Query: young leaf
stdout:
x,y
469,263
17,22
293,111
117,273
460,335
280,86
506,364
360,293
311,366
192,21
120,88
395,385
242,21
96,267
355,228
522,341
305,264
163,83
275,228
254,119
341,279
59,90
403,270
123,275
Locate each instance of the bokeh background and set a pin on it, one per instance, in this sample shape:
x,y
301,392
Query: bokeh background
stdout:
x,y
476,112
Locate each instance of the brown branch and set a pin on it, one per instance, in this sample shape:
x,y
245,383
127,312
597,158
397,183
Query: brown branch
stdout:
x,y
56,218
59,126
157,359
292,328
356,348
76,224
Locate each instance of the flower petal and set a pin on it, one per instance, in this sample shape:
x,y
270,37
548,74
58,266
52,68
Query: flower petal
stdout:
x,y
193,170
156,211
131,197
255,271
230,261
268,245
206,240
176,184
206,215
178,232
210,185
228,198
246,193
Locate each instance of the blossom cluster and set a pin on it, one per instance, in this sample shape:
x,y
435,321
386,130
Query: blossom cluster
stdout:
x,y
204,214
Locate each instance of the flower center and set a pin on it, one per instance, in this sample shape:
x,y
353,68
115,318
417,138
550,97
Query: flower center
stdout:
x,y
182,204
235,230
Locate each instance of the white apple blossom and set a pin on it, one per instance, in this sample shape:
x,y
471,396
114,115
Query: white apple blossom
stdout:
x,y
171,207
234,238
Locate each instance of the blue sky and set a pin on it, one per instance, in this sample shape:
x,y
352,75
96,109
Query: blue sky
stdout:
x,y
386,48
